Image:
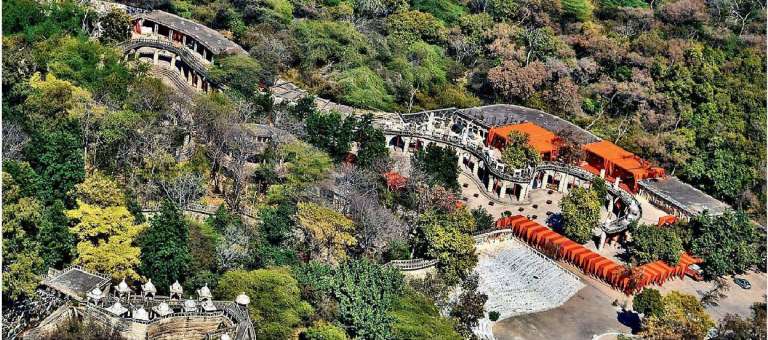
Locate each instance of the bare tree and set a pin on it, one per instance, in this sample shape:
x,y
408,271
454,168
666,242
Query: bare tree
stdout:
x,y
184,189
14,140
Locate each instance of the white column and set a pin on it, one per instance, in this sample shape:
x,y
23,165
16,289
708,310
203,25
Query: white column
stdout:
x,y
602,173
476,169
170,34
503,190
184,40
199,83
616,183
545,180
602,240
407,142
173,60
490,183
156,30
156,57
563,186
205,53
523,192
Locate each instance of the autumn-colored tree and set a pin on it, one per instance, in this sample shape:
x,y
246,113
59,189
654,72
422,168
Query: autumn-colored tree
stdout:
x,y
682,317
329,233
105,230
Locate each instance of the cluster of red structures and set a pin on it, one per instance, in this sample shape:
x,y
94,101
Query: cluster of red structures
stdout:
x,y
617,276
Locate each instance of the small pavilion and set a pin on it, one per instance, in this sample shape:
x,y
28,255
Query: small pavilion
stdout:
x,y
541,139
610,161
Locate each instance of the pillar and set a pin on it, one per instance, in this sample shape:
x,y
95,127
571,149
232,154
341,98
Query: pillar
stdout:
x,y
545,179
563,186
461,161
170,34
490,183
173,60
156,29
194,45
205,53
407,143
602,240
199,84
523,192
616,183
602,173
136,54
476,168
503,190
184,40
156,57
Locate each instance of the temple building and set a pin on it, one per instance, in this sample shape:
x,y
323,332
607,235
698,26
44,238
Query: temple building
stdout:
x,y
542,140
610,161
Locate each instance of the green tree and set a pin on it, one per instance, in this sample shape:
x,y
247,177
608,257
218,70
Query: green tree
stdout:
x,y
650,243
241,73
600,188
483,220
581,10
356,286
165,255
518,152
446,237
728,243
734,327
276,223
370,141
416,317
115,25
581,214
441,165
57,242
470,306
57,156
324,331
648,302
330,132
276,307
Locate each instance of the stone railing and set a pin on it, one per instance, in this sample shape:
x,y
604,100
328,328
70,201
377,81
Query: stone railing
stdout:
x,y
414,264
189,58
495,167
153,207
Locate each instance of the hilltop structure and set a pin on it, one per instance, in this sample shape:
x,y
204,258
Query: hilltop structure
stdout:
x,y
138,313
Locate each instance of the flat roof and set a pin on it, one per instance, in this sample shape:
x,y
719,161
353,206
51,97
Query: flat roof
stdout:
x,y
624,159
683,195
76,282
504,114
210,38
539,138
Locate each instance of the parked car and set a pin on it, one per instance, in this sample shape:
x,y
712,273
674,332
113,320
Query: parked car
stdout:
x,y
695,272
743,283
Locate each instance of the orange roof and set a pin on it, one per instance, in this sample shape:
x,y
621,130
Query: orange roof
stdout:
x,y
539,138
621,158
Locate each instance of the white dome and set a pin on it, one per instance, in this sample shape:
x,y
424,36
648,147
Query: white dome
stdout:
x,y
225,337
176,287
163,307
96,292
242,299
123,287
204,292
190,304
140,314
149,287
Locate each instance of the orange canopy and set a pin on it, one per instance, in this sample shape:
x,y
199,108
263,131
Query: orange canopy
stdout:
x,y
541,139
629,162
